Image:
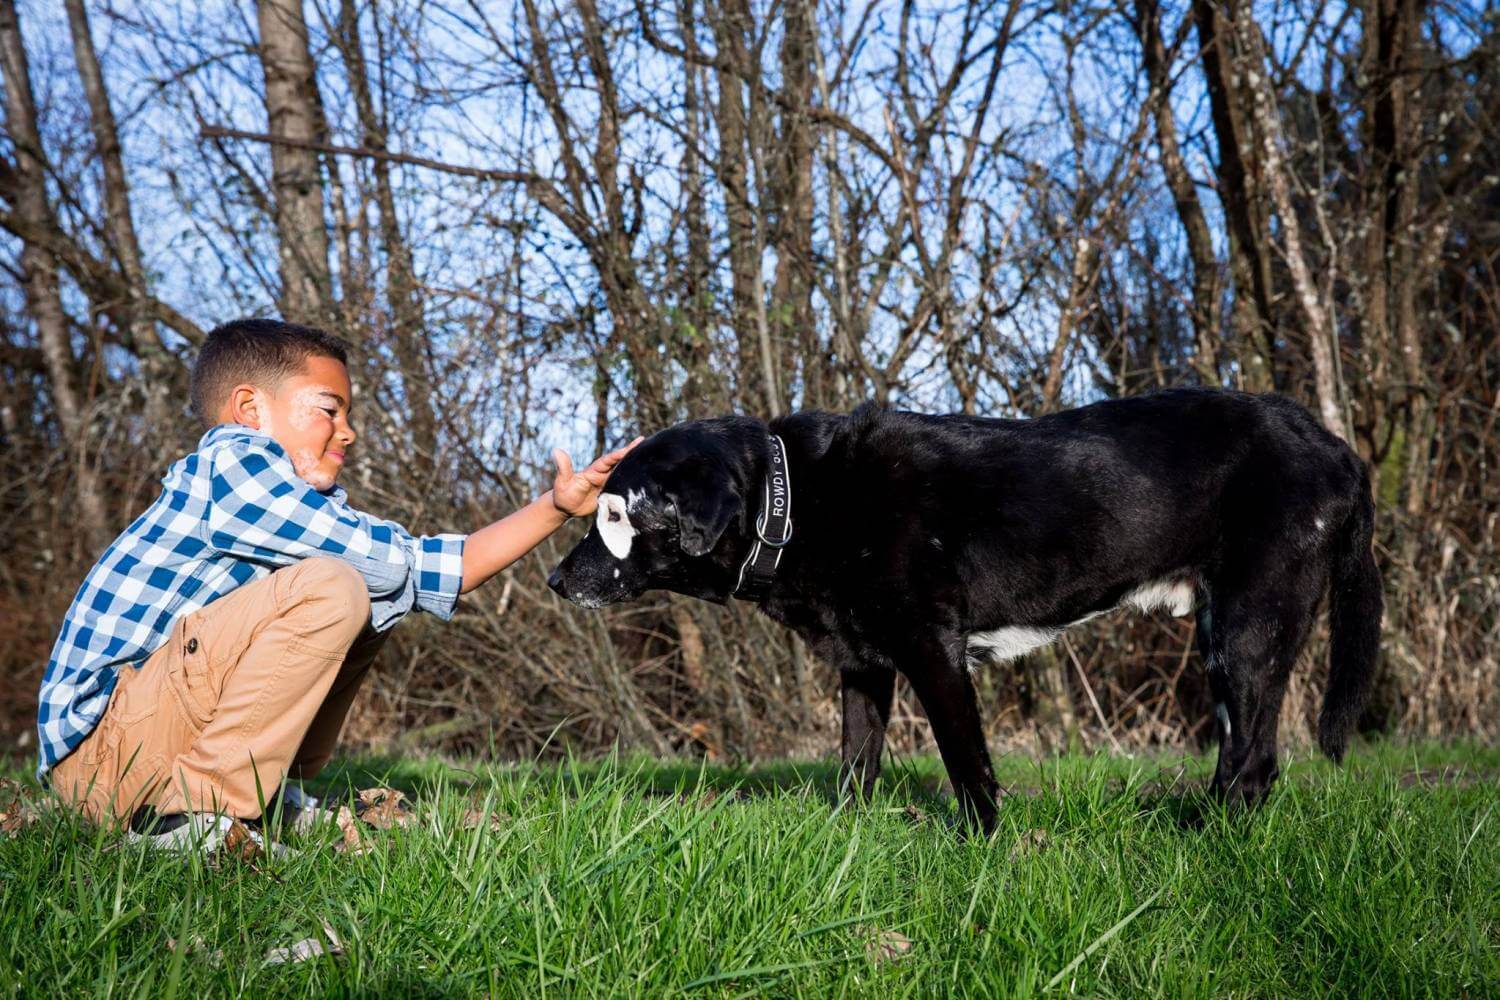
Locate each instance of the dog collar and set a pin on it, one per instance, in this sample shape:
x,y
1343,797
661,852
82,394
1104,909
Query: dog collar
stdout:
x,y
773,528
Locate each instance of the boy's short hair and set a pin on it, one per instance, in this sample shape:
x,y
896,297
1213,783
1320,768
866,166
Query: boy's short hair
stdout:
x,y
261,352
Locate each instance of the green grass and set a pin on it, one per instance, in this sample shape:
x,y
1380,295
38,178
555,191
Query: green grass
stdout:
x,y
633,878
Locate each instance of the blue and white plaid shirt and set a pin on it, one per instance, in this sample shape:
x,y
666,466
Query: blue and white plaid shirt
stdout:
x,y
230,513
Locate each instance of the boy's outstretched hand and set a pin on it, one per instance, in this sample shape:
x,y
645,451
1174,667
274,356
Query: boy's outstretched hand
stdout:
x,y
573,494
577,493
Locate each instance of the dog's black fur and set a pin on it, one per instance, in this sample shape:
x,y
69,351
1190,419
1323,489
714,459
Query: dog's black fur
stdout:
x,y
912,533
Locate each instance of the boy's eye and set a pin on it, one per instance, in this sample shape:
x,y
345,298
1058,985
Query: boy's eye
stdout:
x,y
330,411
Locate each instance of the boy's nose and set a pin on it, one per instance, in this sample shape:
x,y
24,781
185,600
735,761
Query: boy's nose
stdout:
x,y
555,581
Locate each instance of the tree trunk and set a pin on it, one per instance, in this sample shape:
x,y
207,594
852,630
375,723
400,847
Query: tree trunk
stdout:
x,y
294,112
1080,281
403,294
1391,34
39,272
1248,252
698,288
730,26
1320,333
1184,194
158,367
792,291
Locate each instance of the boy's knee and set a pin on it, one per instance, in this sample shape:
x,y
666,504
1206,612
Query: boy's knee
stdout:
x,y
333,592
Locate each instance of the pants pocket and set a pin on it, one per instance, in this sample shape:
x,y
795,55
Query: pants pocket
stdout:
x,y
191,675
112,773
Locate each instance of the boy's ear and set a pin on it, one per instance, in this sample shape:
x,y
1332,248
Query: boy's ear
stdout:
x,y
244,406
703,515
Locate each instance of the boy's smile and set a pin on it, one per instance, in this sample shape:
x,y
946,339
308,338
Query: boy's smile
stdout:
x,y
307,414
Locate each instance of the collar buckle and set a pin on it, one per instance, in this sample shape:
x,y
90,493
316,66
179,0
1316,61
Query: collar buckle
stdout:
x,y
760,532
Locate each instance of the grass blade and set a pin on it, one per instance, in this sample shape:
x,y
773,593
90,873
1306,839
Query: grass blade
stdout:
x,y
1101,939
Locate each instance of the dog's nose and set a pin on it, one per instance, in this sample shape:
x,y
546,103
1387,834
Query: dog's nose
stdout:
x,y
555,581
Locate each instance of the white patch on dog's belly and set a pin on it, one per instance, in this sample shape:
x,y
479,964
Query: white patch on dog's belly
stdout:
x,y
1001,644
1174,595
1007,643
613,522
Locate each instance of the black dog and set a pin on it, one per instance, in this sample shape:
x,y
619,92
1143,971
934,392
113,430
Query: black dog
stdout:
x,y
927,544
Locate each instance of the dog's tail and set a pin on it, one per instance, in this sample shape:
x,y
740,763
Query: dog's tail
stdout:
x,y
1355,606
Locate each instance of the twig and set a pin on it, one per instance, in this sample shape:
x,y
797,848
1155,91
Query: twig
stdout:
x,y
483,173
1089,690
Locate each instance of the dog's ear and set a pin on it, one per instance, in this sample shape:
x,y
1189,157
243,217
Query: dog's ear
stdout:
x,y
703,515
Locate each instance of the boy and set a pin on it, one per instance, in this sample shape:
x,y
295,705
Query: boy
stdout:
x,y
215,648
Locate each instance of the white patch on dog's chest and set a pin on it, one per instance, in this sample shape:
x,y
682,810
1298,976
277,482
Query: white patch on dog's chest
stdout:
x,y
613,522
1002,644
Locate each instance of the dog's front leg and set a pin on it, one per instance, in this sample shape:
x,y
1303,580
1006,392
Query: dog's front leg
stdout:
x,y
867,710
947,694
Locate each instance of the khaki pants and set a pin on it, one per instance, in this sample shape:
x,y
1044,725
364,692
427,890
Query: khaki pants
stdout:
x,y
249,689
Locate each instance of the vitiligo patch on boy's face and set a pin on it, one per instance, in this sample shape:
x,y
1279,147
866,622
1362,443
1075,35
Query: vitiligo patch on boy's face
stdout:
x,y
613,522
267,422
310,403
305,462
307,411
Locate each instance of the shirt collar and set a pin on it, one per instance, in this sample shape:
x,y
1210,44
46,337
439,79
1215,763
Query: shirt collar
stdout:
x,y
226,432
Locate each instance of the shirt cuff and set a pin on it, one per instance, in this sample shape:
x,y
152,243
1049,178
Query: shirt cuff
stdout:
x,y
439,573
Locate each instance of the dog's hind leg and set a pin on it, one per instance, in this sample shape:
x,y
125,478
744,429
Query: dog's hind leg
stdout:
x,y
942,682
867,710
1258,627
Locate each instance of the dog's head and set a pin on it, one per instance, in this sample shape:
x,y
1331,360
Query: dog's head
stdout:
x,y
672,517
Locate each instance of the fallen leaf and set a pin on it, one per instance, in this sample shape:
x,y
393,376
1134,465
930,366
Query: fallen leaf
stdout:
x,y
350,840
196,945
885,946
333,939
241,845
307,948
1027,843
479,817
384,808
915,815
16,810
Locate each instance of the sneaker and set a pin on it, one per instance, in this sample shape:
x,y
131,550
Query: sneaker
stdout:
x,y
202,833
294,809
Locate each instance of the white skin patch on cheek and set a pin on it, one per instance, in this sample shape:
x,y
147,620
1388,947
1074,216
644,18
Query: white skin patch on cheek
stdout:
x,y
307,407
614,525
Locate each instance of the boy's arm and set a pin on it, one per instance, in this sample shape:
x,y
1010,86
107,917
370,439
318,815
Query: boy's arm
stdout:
x,y
495,546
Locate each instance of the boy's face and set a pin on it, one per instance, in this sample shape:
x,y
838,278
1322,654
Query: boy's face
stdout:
x,y
307,414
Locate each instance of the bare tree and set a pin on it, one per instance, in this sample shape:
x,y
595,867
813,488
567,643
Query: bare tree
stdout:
x,y
160,368
597,217
39,271
403,293
1157,61
1250,66
294,111
1239,192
